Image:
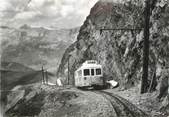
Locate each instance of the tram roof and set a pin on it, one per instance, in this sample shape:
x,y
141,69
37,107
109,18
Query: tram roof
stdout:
x,y
88,64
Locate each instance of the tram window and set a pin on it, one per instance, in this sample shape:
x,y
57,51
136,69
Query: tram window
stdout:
x,y
92,72
80,73
86,72
98,71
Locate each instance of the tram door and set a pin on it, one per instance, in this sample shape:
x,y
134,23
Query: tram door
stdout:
x,y
93,77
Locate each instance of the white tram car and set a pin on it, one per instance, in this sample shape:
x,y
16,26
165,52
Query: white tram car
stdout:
x,y
89,74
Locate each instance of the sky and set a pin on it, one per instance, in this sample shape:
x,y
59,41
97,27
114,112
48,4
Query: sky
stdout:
x,y
45,13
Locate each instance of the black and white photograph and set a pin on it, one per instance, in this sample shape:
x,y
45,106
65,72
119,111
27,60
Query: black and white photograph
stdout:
x,y
84,58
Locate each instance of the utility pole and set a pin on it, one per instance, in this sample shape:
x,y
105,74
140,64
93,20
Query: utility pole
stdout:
x,y
68,72
144,81
42,75
46,77
69,69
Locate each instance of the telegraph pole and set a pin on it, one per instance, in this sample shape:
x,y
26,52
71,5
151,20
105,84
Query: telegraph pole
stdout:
x,y
68,72
69,69
46,77
144,81
42,75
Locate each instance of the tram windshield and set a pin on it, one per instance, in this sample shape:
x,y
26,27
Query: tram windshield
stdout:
x,y
98,71
86,72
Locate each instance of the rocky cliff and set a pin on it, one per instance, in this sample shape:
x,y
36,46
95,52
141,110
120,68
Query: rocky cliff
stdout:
x,y
120,51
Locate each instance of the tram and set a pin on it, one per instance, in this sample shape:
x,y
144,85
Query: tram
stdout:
x,y
89,74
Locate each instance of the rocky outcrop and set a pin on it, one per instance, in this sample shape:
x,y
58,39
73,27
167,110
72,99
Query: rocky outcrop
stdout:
x,y
165,105
164,91
120,51
163,86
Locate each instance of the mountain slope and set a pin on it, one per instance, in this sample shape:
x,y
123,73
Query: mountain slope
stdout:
x,y
13,74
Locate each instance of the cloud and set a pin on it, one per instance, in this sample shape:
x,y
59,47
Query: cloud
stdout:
x,y
66,10
27,15
5,6
61,13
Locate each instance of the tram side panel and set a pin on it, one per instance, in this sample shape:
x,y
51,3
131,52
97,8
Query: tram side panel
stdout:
x,y
79,78
77,82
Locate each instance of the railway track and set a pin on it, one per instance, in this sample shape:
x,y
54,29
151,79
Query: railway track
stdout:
x,y
121,107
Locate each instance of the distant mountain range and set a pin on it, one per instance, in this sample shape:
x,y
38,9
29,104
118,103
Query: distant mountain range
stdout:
x,y
12,66
35,46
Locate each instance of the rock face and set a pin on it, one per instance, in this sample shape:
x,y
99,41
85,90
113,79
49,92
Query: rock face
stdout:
x,y
163,85
120,51
164,91
35,46
165,105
